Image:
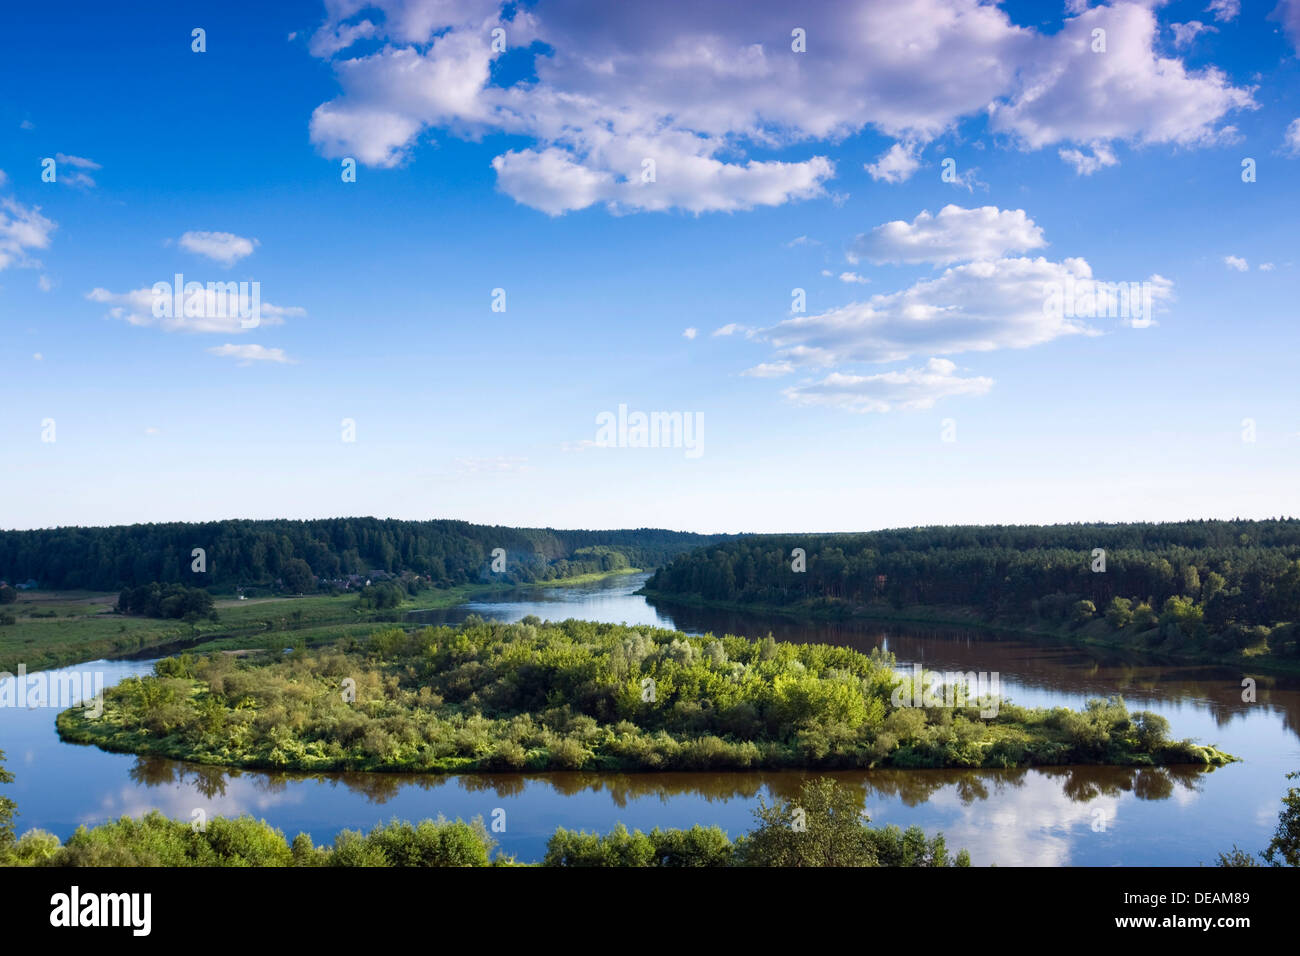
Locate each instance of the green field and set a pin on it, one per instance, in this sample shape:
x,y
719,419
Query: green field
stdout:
x,y
56,628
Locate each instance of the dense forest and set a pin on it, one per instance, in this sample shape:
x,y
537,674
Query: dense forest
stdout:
x,y
1224,585
575,695
271,553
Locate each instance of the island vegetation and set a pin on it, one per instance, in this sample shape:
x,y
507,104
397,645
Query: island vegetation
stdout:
x,y
1227,590
581,695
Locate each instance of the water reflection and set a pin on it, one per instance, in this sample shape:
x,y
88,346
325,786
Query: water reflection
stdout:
x,y
910,787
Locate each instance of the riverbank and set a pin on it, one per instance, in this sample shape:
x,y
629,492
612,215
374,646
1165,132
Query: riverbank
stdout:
x,y
1096,633
61,628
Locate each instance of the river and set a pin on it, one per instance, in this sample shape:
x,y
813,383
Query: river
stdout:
x,y
1069,816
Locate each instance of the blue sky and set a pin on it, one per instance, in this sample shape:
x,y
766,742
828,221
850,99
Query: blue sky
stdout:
x,y
774,170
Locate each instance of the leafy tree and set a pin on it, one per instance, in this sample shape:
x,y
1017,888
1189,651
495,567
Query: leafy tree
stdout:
x,y
1144,616
8,809
298,577
381,596
1083,612
823,826
1182,612
166,601
1119,613
1284,848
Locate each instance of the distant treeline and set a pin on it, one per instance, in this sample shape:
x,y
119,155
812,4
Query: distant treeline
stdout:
x,y
259,553
1223,582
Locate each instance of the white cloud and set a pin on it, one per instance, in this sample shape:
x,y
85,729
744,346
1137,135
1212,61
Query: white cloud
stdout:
x,y
975,307
223,247
1291,138
44,284
1224,10
75,178
690,333
78,161
911,388
769,370
853,277
22,228
688,179
248,354
38,357
953,235
987,302
1130,92
214,310
698,91
326,42
4,178
1186,33
731,328
1236,262
1086,165
895,165
1266,267
1288,13
801,241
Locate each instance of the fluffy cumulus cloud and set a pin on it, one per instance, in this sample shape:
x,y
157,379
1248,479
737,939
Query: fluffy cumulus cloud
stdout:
x,y
984,300
223,247
906,388
896,164
248,354
642,109
974,307
1129,92
22,229
955,234
215,307
1237,263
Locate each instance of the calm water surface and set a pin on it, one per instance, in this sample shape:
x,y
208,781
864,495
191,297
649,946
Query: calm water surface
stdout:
x,y
1091,816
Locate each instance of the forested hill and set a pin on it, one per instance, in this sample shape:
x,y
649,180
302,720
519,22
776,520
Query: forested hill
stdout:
x,y
258,553
1207,580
